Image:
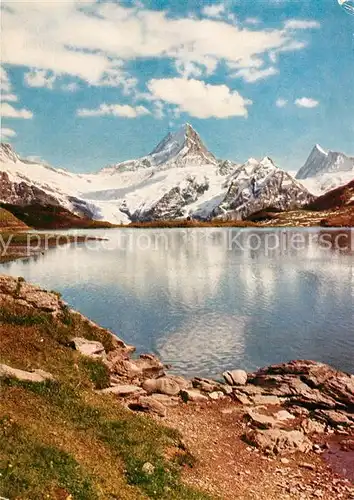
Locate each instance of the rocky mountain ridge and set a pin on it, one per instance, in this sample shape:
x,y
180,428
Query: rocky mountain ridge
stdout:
x,y
180,178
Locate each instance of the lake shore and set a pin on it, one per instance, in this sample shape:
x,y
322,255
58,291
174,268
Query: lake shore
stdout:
x,y
269,428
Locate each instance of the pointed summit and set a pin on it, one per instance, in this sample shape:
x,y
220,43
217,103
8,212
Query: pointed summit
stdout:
x,y
7,153
321,161
183,147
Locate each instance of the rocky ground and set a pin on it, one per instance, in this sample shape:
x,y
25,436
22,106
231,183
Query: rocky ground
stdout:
x,y
285,431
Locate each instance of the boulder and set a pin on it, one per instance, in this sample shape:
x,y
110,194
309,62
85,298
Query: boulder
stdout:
x,y
264,421
193,395
335,418
235,377
310,426
216,395
25,376
149,404
279,441
150,366
124,368
163,385
206,385
123,390
166,400
90,348
310,383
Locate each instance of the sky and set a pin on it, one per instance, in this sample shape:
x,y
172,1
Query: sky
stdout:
x,y
87,83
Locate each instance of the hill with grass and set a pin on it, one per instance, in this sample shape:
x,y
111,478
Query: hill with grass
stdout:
x,y
59,438
8,221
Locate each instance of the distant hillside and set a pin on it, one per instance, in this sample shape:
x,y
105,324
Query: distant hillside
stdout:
x,y
9,222
51,217
336,198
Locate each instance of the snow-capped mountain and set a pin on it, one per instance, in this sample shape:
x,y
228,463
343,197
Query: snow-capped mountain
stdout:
x,y
259,185
326,170
179,178
180,149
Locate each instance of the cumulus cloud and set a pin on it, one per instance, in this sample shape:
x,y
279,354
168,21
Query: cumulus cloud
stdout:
x,y
39,78
300,24
123,110
306,102
6,133
281,103
198,98
66,38
252,75
5,85
70,87
8,111
9,97
254,21
215,10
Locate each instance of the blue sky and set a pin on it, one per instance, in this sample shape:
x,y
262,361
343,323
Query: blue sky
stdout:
x,y
86,84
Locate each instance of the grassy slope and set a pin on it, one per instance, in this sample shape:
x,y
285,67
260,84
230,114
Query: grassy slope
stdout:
x,y
61,438
9,222
50,217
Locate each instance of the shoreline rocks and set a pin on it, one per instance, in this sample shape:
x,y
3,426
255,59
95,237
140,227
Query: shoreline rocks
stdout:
x,y
285,406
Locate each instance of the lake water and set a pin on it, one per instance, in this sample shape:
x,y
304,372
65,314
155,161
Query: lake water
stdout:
x,y
206,300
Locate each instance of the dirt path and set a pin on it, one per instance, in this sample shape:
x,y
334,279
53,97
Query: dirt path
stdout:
x,y
230,469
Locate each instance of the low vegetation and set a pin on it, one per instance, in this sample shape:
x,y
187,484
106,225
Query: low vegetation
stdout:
x,y
52,217
60,439
8,222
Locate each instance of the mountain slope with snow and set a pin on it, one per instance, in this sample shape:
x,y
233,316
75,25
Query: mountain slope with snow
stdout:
x,y
179,178
261,185
323,162
326,170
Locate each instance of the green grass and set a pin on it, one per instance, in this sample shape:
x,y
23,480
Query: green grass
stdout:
x,y
61,438
34,471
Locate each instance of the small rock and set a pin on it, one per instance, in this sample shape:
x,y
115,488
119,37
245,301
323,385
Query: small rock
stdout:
x,y
305,465
123,390
279,441
266,400
88,347
285,461
149,405
193,395
25,376
235,377
216,395
310,426
163,385
166,400
148,468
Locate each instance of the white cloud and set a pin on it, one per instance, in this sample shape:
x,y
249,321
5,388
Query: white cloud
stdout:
x,y
188,69
301,24
215,10
281,103
252,75
123,110
66,39
159,111
70,87
9,97
198,98
253,21
8,111
5,85
40,78
306,102
6,133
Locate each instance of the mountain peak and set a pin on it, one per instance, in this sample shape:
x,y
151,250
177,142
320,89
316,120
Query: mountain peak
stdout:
x,y
321,161
7,153
183,147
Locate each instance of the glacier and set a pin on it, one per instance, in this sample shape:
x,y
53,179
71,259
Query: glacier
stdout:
x,y
179,178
